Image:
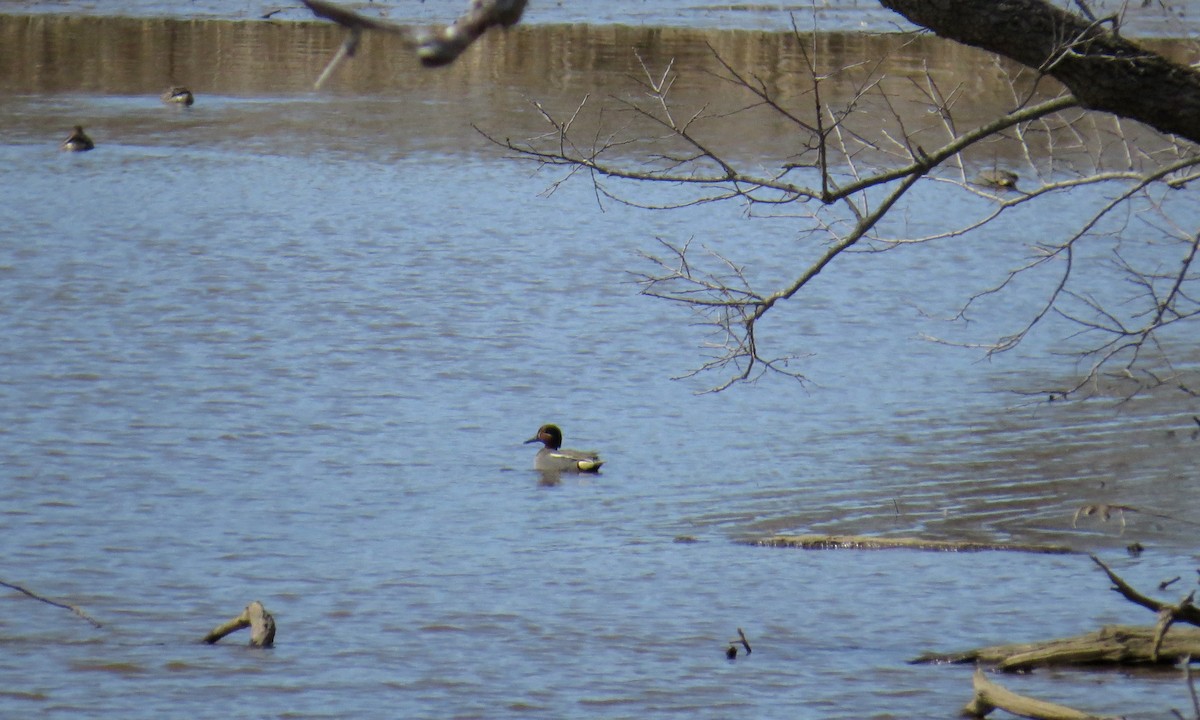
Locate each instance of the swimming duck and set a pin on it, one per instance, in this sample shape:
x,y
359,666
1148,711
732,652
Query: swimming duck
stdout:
x,y
178,96
553,458
77,141
998,179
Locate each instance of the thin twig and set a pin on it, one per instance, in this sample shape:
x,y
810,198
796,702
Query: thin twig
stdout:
x,y
55,603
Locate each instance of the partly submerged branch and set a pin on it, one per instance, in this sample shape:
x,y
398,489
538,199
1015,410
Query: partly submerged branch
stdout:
x,y
255,617
873,542
989,696
1184,611
1113,645
55,603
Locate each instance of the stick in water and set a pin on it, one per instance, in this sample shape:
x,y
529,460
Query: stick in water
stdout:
x,y
55,603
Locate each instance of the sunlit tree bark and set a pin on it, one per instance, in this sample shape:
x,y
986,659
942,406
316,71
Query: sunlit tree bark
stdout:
x,y
1103,70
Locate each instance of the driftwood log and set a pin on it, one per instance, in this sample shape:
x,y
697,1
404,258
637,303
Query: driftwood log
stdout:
x,y
1111,645
255,617
989,696
1168,614
868,542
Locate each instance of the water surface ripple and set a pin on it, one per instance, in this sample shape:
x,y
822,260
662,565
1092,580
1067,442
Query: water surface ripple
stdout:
x,y
285,346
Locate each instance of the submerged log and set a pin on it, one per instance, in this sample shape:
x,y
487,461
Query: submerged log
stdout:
x,y
989,696
255,617
868,542
1110,645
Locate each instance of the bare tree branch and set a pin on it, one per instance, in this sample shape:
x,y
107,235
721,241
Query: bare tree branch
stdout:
x,y
844,181
1104,70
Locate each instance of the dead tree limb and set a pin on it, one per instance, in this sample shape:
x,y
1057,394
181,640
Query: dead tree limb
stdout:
x,y
989,696
1187,677
1112,645
1166,617
1184,611
55,603
1103,70
255,617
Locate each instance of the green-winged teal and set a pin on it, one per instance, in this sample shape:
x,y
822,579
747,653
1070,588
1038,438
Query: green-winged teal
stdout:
x,y
77,141
178,95
998,179
553,458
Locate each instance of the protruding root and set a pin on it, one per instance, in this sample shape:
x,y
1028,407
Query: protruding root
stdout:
x,y
255,617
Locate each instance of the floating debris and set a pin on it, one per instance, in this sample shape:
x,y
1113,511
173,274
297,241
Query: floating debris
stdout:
x,y
870,542
731,652
745,642
55,603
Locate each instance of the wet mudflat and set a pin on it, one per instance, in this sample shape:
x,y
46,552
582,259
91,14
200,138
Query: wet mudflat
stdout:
x,y
285,346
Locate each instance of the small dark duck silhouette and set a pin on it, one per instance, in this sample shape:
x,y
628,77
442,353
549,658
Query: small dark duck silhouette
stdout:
x,y
178,95
77,141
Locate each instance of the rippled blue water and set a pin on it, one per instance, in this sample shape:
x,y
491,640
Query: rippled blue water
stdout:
x,y
295,361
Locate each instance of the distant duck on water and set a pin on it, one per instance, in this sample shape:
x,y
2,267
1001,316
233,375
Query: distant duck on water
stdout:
x,y
178,95
555,459
77,141
998,179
